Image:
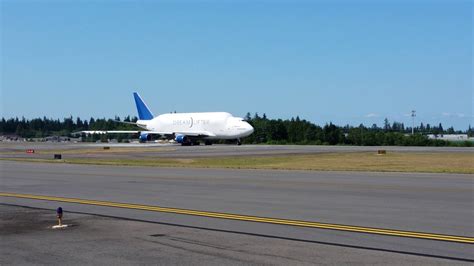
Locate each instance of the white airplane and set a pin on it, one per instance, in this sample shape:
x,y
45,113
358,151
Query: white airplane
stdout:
x,y
185,128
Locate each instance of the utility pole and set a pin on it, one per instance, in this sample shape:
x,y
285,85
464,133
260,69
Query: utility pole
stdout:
x,y
413,114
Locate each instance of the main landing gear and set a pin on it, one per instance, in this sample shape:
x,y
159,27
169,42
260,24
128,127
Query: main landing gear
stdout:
x,y
239,142
191,143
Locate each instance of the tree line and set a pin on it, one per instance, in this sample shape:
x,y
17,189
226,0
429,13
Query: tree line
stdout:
x,y
267,131
300,131
43,127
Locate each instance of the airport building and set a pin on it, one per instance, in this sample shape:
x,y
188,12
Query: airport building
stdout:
x,y
451,137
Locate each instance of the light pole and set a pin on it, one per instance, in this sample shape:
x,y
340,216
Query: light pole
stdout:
x,y
413,114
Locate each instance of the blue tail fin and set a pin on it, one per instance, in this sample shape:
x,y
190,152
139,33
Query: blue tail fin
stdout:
x,y
143,111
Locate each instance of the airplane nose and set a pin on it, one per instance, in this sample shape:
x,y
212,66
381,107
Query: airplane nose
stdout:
x,y
250,128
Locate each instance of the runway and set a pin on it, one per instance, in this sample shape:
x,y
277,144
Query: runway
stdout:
x,y
431,203
151,150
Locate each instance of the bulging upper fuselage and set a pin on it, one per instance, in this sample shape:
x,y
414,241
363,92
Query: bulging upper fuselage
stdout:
x,y
217,125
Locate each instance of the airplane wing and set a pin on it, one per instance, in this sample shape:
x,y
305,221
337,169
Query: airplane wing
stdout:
x,y
87,132
196,133
186,133
163,133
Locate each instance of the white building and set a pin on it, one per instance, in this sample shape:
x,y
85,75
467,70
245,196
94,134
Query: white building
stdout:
x,y
451,137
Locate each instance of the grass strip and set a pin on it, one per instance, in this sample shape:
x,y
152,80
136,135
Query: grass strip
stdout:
x,y
462,163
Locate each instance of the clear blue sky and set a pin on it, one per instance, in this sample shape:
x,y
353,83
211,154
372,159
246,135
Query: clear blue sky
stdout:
x,y
348,62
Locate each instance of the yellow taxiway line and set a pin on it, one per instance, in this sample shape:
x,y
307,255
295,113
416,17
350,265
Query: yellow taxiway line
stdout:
x,y
348,228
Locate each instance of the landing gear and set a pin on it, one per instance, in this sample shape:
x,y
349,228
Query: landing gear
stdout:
x,y
191,143
208,143
239,142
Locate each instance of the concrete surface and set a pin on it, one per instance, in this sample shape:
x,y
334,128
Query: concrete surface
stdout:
x,y
28,239
434,203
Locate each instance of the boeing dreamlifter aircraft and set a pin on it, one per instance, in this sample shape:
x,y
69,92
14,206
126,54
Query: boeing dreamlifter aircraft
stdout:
x,y
186,128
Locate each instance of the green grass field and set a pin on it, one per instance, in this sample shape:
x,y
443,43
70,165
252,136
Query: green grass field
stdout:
x,y
356,161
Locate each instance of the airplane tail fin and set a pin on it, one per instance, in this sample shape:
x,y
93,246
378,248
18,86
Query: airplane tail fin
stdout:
x,y
144,112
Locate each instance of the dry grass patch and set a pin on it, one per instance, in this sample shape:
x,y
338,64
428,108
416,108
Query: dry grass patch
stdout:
x,y
392,162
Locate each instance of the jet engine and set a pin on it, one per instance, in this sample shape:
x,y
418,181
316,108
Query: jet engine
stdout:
x,y
144,137
181,139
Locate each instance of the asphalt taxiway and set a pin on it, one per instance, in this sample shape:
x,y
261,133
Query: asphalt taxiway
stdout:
x,y
27,239
437,204
152,150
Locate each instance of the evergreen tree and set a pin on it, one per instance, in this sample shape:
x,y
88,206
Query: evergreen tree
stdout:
x,y
248,117
450,131
386,125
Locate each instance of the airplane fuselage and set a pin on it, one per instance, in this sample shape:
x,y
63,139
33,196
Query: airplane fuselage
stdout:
x,y
219,125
